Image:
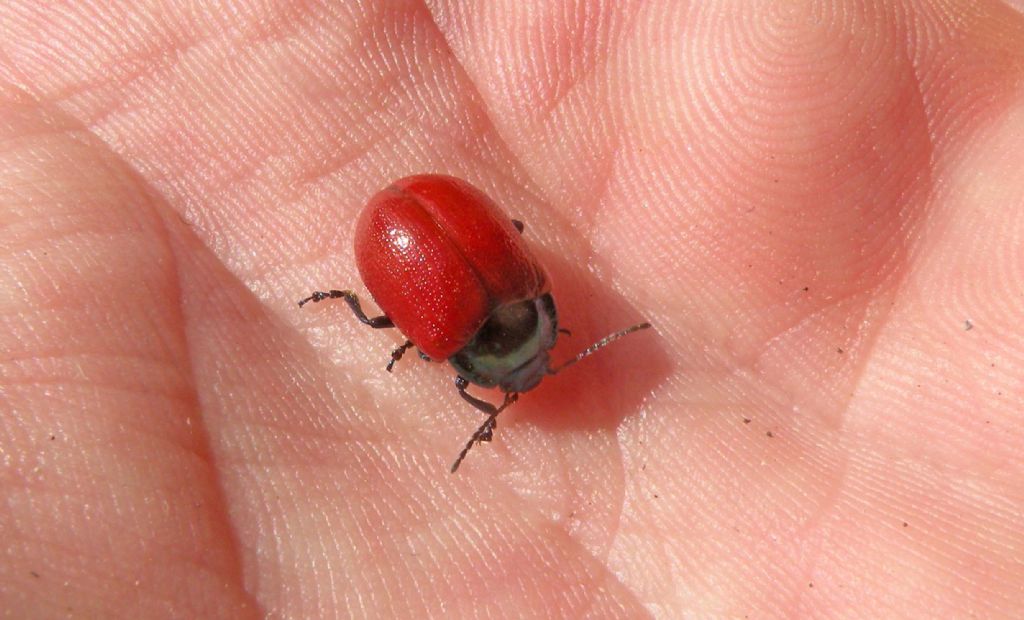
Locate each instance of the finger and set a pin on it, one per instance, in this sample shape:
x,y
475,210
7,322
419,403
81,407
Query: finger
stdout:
x,y
111,506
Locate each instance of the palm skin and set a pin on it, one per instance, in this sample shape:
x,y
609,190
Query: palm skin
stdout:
x,y
818,205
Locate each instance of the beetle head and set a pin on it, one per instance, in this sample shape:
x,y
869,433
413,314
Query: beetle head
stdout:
x,y
510,350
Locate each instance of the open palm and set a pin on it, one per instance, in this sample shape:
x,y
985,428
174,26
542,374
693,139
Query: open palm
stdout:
x,y
819,205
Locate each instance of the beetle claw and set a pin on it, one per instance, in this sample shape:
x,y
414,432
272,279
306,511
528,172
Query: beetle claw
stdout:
x,y
398,353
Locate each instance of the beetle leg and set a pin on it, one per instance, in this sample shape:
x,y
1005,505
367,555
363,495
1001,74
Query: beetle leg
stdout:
x,y
519,226
398,353
376,322
486,430
460,384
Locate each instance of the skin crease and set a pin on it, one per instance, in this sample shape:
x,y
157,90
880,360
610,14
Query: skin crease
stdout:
x,y
818,205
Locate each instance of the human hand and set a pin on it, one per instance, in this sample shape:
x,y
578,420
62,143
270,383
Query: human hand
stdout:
x,y
809,201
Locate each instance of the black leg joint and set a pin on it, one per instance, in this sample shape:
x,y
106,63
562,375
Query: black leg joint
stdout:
x,y
398,353
461,383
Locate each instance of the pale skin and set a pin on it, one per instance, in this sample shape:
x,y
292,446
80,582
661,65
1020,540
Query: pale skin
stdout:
x,y
819,205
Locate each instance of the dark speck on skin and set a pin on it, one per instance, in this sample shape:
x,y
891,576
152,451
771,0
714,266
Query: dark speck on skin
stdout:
x,y
839,350
769,433
746,420
968,325
34,574
904,524
52,437
806,288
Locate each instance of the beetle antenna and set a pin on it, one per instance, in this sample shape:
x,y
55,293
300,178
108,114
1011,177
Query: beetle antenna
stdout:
x,y
600,344
486,430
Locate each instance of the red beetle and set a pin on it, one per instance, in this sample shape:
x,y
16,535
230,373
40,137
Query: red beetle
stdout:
x,y
454,275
